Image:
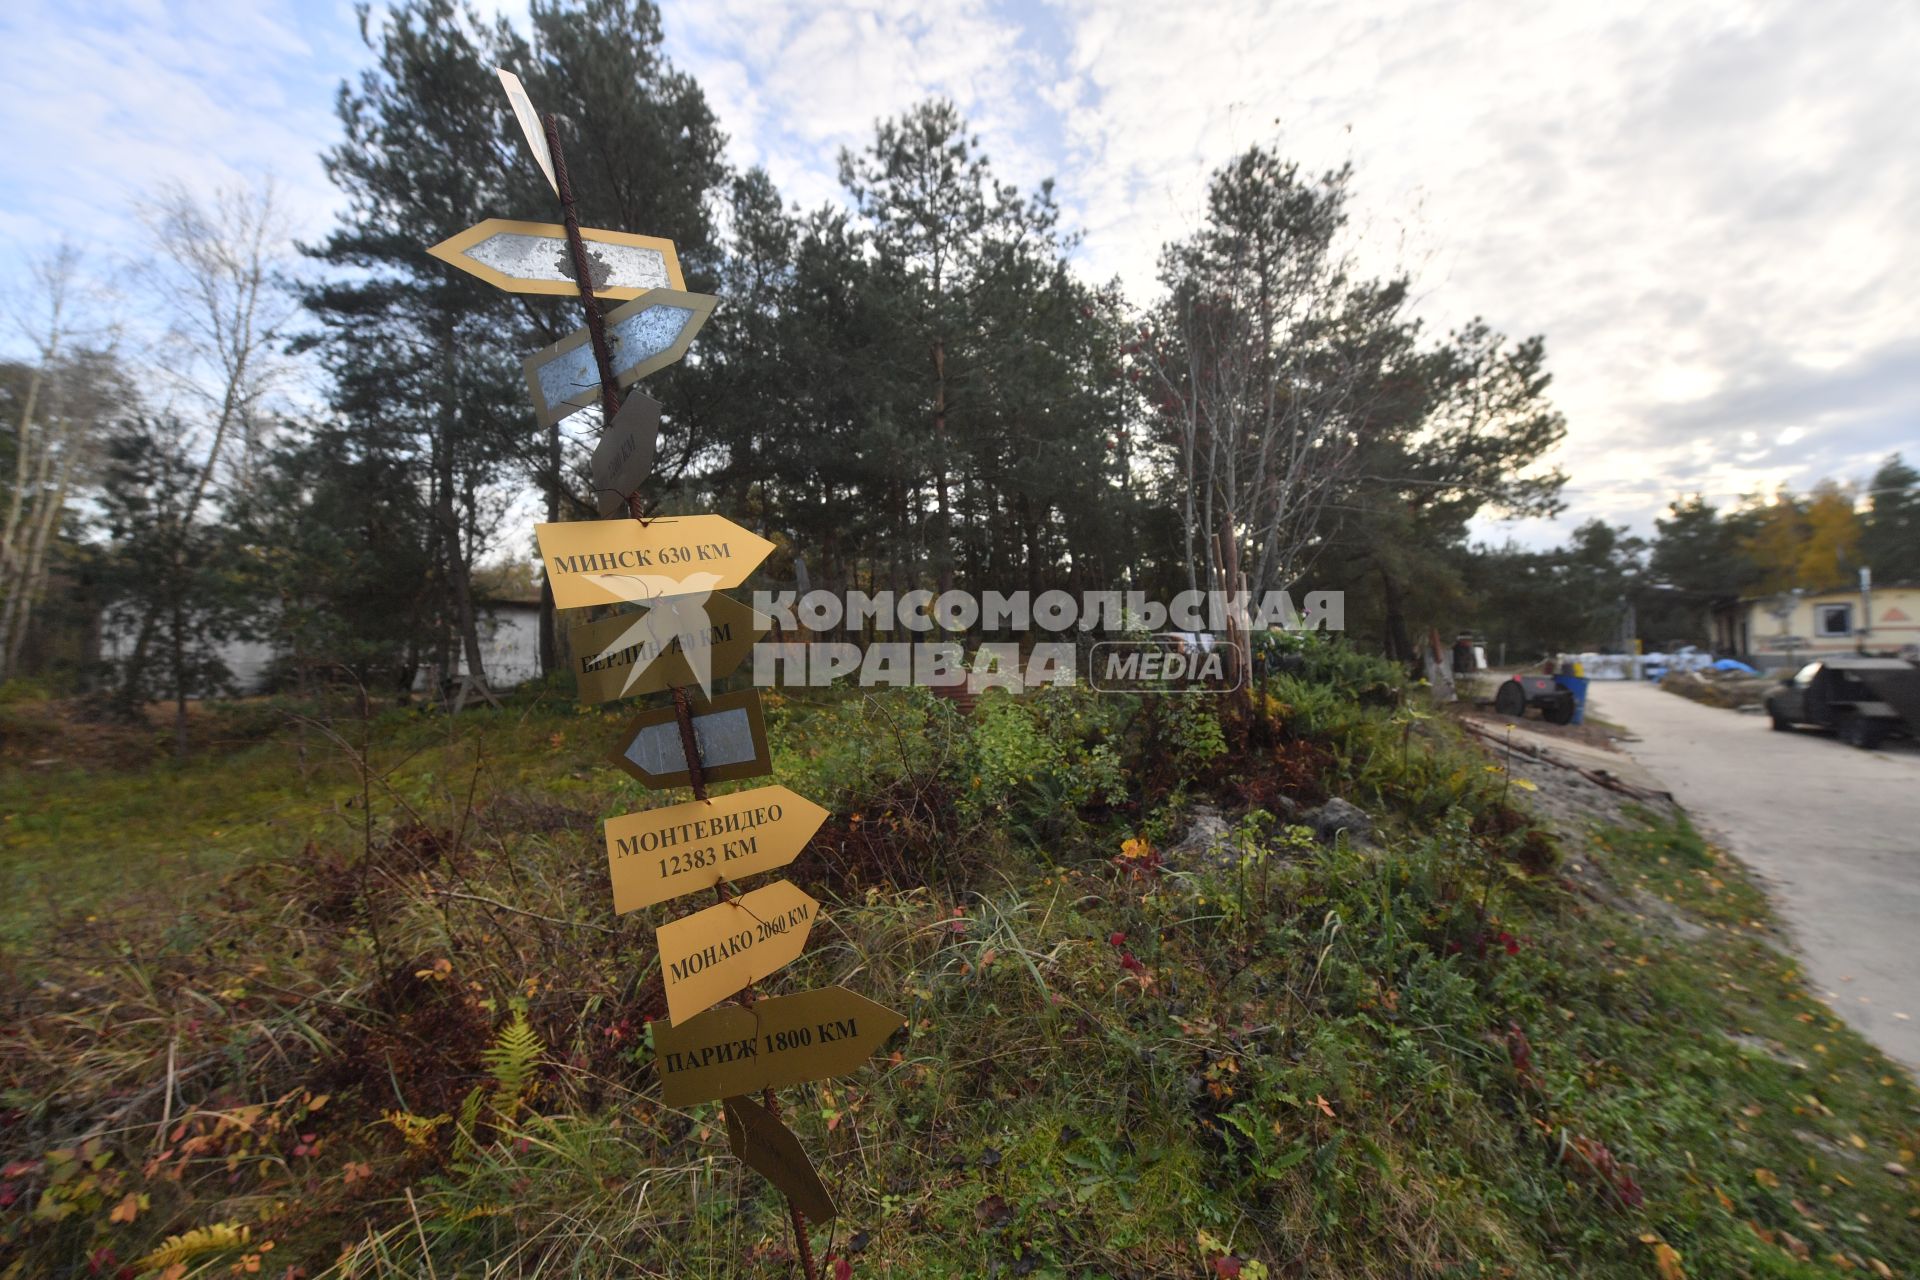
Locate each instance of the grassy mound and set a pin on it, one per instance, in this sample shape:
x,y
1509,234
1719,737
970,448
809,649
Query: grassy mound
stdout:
x,y
350,1001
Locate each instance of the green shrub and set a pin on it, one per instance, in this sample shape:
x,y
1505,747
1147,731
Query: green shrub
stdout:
x,y
1037,760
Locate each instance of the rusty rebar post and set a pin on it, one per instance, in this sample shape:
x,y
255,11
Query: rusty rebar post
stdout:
x,y
582,270
801,1240
689,741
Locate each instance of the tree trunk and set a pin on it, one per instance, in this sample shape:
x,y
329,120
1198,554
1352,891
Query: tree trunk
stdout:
x,y
1399,644
179,678
16,596
458,577
943,546
549,623
31,587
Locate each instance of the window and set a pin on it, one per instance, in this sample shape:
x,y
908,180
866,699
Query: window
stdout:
x,y
1833,620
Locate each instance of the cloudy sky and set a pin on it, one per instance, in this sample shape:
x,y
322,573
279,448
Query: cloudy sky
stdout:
x,y
1711,210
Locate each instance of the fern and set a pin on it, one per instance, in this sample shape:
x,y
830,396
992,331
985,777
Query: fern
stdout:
x,y
467,1139
180,1249
417,1130
512,1059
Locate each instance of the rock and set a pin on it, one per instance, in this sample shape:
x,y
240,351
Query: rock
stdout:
x,y
1335,816
1205,838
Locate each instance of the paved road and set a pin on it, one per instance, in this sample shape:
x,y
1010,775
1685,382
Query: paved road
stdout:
x,y
1833,830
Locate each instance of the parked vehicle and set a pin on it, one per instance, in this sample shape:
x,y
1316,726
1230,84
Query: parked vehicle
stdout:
x,y
1862,699
1556,702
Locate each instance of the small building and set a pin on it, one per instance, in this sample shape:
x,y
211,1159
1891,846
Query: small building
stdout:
x,y
1787,629
510,640
509,646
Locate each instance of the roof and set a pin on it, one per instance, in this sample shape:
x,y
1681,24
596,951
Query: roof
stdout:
x,y
1860,662
1818,593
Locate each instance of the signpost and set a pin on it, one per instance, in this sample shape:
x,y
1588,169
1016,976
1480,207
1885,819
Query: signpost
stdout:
x,y
678,641
644,336
534,257
529,124
766,1146
709,955
687,637
726,741
624,456
774,1043
613,561
662,853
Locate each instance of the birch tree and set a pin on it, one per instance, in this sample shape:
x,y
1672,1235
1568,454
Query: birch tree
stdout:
x,y
63,399
1262,363
215,281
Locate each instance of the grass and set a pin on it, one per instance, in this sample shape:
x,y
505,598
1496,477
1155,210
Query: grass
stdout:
x,y
1428,1055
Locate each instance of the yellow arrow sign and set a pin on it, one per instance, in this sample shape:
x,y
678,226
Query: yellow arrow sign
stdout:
x,y
610,561
646,335
709,955
764,1145
663,853
631,654
532,257
773,1043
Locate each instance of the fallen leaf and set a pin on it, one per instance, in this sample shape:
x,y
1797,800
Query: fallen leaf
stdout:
x,y
1766,1178
128,1209
1325,1106
1666,1262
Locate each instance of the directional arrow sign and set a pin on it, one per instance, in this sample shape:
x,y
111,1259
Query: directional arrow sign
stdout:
x,y
647,334
611,561
709,955
532,257
678,641
727,732
529,123
624,455
771,1044
663,853
764,1145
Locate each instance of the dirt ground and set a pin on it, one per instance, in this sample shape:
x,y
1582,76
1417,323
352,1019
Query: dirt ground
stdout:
x,y
1579,777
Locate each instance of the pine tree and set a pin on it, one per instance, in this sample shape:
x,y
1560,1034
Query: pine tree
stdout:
x,y
429,357
1890,542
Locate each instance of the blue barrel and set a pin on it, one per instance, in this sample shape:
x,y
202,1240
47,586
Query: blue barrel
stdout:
x,y
1577,686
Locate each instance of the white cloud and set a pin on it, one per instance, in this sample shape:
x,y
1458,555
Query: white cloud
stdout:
x,y
107,103
1712,211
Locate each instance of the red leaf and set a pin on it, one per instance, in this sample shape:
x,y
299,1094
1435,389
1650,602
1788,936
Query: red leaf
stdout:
x,y
1116,939
1226,1267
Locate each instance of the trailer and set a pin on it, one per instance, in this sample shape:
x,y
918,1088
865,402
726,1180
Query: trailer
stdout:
x,y
1555,701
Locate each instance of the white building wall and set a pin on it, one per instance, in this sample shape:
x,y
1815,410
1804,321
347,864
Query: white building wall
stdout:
x,y
509,645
